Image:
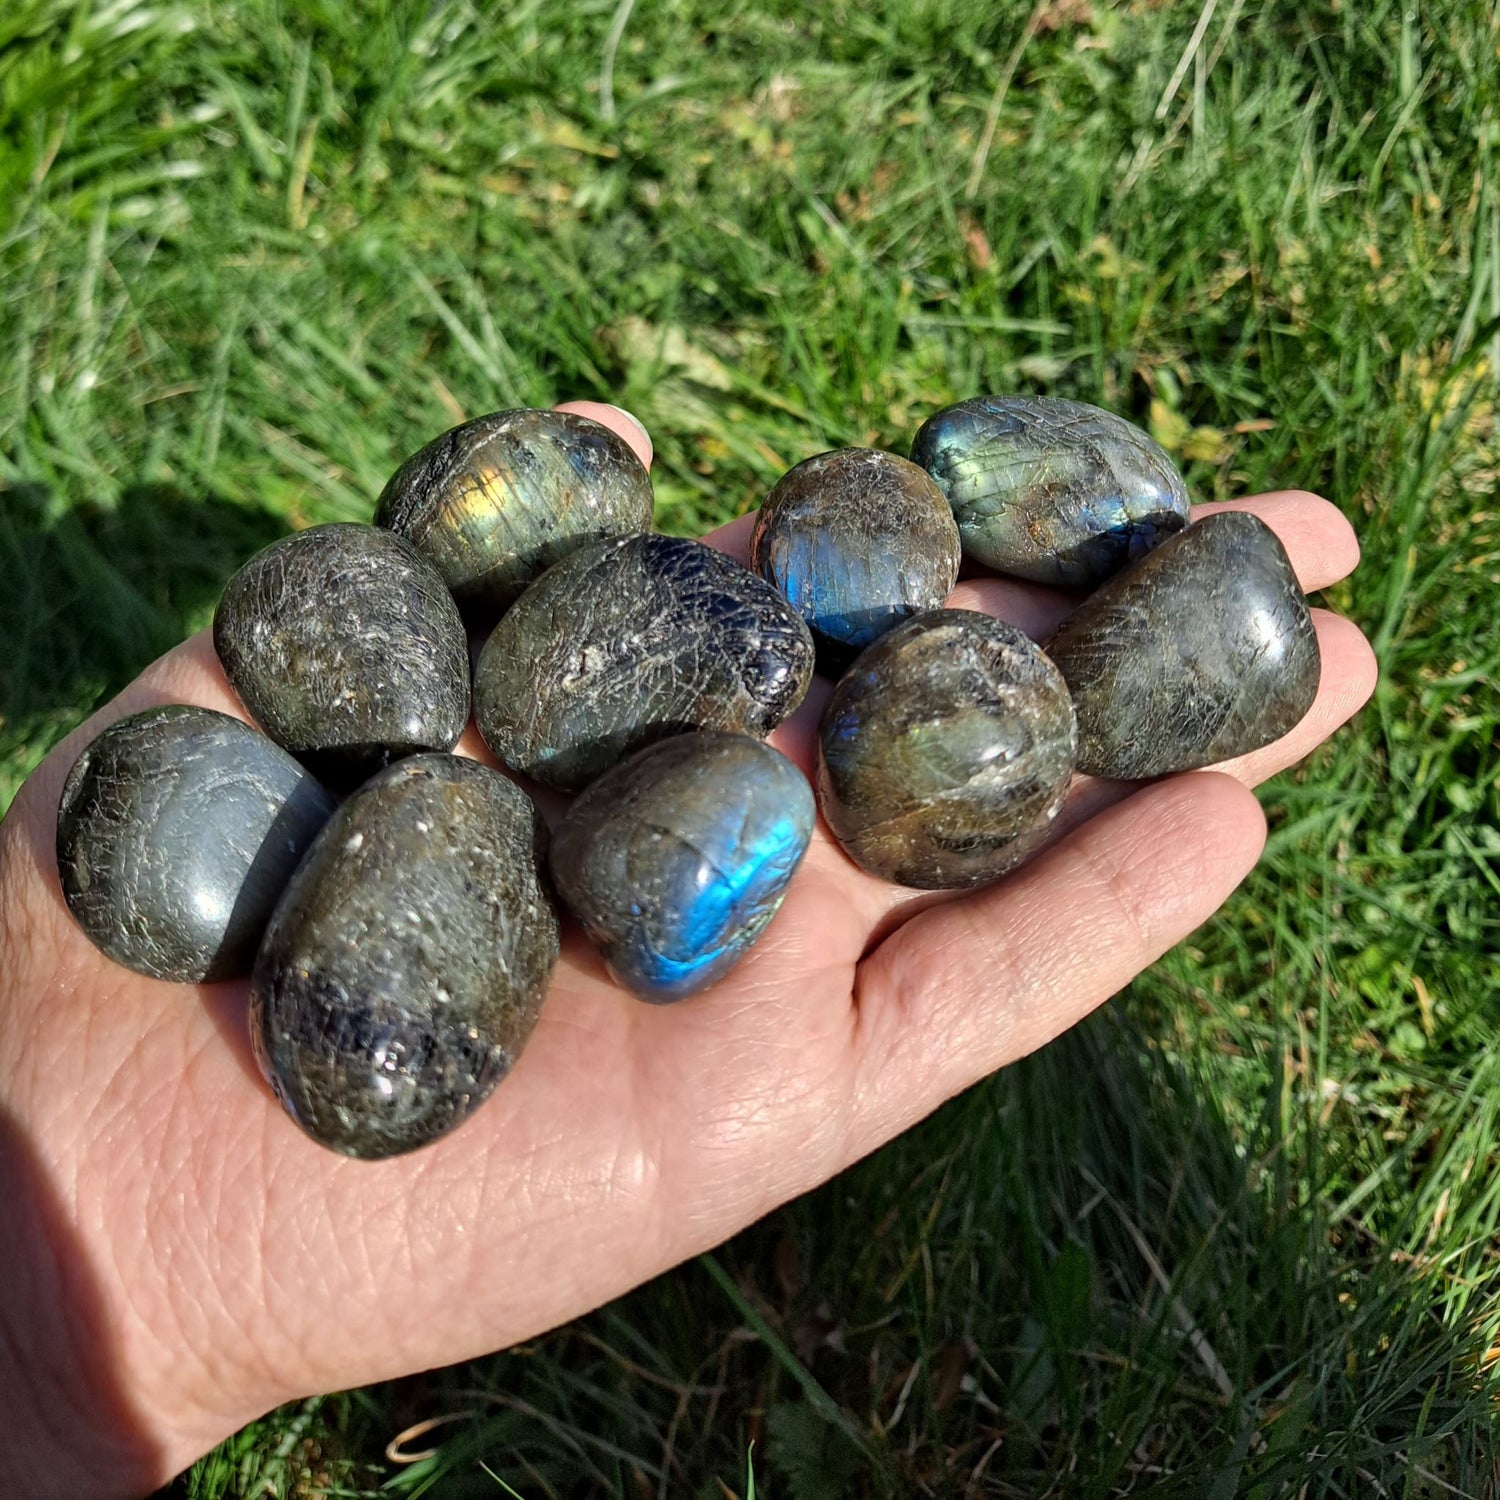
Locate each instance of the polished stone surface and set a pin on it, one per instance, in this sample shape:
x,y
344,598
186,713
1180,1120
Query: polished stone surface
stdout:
x,y
177,832
945,752
345,646
675,860
404,969
1202,651
1051,490
858,540
631,641
495,502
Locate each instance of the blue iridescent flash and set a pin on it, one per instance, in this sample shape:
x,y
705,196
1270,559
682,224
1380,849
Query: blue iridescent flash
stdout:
x,y
676,860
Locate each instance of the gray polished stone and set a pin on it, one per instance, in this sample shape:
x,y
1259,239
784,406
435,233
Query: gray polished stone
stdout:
x,y
631,641
497,501
675,860
858,540
177,832
945,751
1202,651
406,965
345,646
1051,490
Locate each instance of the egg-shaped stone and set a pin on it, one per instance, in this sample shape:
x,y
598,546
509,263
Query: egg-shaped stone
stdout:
x,y
177,832
858,540
406,965
346,647
945,751
1202,651
1051,490
676,860
628,642
495,502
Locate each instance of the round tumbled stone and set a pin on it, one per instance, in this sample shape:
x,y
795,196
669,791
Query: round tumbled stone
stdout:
x,y
345,646
1051,490
945,752
495,502
676,860
1202,651
177,832
631,641
858,540
406,965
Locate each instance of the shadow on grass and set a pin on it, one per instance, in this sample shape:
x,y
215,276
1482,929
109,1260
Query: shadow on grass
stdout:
x,y
94,593
1075,1279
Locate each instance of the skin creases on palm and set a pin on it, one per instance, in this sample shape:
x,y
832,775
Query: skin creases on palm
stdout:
x,y
213,1262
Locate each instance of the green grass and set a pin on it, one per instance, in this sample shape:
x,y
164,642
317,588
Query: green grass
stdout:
x,y
1236,1235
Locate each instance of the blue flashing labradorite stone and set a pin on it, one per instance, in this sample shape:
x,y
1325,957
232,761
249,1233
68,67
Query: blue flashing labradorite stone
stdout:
x,y
675,860
1051,490
858,540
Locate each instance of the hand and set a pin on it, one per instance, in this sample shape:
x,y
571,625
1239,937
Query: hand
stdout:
x,y
180,1257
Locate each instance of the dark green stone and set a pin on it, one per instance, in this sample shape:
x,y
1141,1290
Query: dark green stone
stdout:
x,y
406,965
1202,651
177,832
346,647
631,641
945,752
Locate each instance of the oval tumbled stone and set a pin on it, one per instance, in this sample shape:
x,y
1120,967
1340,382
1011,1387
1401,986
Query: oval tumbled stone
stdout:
x,y
346,647
405,967
676,860
1051,490
1202,651
497,501
631,641
858,540
945,752
177,832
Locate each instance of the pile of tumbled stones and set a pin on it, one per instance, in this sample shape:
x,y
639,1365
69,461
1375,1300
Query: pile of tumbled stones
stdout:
x,y
400,940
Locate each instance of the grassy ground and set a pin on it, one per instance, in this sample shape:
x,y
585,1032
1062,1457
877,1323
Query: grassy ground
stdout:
x,y
1235,1236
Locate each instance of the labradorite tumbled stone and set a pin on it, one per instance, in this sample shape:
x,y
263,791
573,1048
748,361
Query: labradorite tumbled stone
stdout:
x,y
945,752
177,831
1202,651
858,540
406,965
346,647
675,860
628,642
1051,490
495,502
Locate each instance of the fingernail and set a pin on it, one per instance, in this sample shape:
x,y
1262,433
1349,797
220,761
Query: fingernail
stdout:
x,y
630,417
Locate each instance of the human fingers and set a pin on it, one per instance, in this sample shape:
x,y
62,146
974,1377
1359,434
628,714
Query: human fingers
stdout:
x,y
968,986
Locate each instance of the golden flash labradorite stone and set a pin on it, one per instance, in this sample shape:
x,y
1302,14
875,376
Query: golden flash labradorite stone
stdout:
x,y
494,503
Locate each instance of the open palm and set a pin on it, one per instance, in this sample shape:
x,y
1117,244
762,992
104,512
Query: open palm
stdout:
x,y
184,1258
